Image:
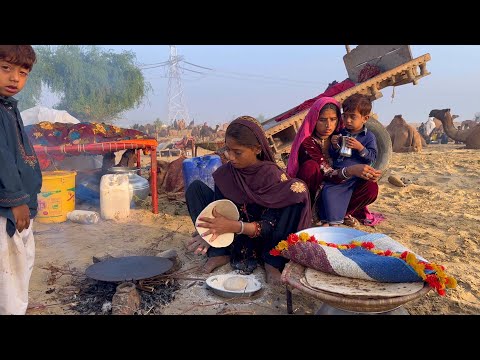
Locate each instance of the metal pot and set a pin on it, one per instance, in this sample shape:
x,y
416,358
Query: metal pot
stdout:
x,y
139,186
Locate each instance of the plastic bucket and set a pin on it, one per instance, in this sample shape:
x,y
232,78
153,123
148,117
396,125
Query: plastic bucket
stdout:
x,y
57,197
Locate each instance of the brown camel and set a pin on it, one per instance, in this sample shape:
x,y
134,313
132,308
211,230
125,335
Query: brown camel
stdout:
x,y
468,124
170,176
470,137
405,138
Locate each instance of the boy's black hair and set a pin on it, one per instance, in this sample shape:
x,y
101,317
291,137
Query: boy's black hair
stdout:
x,y
22,55
358,102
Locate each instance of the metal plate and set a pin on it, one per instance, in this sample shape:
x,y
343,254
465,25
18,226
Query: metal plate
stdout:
x,y
336,235
129,268
215,283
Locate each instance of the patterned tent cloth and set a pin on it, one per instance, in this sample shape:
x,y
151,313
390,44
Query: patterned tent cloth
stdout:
x,y
53,134
50,135
374,257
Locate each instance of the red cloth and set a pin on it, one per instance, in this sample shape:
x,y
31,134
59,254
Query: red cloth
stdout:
x,y
55,134
331,91
368,72
311,174
364,194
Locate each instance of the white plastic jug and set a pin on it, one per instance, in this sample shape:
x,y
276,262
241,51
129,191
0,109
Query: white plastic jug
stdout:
x,y
114,196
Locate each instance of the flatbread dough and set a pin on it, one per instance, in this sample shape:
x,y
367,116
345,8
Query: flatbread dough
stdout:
x,y
235,283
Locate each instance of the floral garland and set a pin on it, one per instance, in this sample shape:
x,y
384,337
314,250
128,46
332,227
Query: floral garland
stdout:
x,y
437,279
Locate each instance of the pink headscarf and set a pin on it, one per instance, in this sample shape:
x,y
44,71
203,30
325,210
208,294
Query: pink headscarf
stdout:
x,y
307,128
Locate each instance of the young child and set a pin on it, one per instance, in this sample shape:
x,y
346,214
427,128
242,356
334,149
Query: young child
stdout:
x,y
336,197
20,182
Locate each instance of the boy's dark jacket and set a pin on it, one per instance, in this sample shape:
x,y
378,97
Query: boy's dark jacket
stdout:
x,y
20,174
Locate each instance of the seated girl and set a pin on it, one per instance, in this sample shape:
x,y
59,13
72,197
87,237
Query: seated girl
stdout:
x,y
272,205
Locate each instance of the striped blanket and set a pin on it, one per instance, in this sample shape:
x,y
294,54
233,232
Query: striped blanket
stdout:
x,y
374,257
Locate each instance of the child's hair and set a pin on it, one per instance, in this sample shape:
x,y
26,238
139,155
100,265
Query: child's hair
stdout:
x,y
358,102
21,55
242,135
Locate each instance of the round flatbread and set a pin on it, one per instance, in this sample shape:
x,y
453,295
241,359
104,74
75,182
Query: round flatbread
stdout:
x,y
225,208
356,287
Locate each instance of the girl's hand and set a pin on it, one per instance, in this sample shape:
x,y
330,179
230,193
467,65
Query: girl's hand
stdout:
x,y
217,225
198,245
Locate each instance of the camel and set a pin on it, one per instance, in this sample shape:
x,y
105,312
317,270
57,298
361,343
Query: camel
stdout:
x,y
405,138
170,176
470,137
206,132
468,124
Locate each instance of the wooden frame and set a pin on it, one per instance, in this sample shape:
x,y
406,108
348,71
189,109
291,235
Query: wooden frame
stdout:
x,y
106,147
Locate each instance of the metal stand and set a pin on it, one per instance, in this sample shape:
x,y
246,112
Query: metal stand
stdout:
x,y
326,309
289,301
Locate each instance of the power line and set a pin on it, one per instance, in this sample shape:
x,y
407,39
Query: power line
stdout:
x,y
232,74
203,67
253,75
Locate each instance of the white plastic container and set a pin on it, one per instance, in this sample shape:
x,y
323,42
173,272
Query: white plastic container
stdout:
x,y
114,196
83,216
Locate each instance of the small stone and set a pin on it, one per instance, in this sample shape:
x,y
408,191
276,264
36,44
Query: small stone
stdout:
x,y
168,254
395,181
126,300
101,257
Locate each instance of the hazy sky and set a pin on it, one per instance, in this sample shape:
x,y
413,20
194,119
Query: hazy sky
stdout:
x,y
270,79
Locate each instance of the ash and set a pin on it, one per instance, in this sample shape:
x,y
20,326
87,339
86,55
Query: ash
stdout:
x,y
95,297
151,302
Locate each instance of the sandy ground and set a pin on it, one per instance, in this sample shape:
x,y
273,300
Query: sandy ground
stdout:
x,y
437,215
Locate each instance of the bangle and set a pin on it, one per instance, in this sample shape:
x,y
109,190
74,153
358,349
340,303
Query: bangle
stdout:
x,y
258,229
344,173
241,228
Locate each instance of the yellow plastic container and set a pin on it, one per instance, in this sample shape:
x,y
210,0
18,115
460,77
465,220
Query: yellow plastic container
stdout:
x,y
57,197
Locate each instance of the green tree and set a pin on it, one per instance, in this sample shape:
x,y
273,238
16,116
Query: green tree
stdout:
x,y
92,84
31,93
261,118
158,126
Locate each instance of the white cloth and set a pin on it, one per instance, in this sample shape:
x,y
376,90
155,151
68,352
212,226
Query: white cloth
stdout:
x,y
41,113
17,255
429,126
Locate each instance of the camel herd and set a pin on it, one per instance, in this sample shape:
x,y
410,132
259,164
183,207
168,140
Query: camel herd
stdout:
x,y
406,138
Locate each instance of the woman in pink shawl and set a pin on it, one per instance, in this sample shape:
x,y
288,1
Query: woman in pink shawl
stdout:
x,y
310,161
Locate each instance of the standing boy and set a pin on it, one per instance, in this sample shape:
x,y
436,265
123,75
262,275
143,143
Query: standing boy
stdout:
x,y
336,197
20,182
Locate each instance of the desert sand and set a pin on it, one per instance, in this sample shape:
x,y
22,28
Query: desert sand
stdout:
x,y
437,215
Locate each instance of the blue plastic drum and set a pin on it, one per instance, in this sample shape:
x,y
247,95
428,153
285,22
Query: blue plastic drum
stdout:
x,y
200,168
